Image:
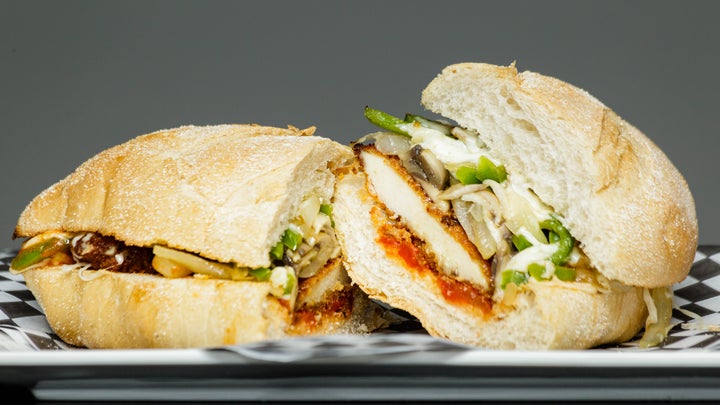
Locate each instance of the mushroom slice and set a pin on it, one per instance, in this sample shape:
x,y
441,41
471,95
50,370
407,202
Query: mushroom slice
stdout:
x,y
434,170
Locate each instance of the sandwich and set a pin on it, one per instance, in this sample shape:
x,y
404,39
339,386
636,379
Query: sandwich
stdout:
x,y
519,213
196,236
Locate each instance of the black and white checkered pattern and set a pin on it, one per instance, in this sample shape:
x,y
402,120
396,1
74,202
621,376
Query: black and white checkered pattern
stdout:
x,y
22,323
698,299
696,321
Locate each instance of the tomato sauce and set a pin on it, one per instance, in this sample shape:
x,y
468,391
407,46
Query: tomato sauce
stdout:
x,y
455,292
309,318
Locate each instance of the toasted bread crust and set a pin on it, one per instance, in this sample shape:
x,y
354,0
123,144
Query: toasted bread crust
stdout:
x,y
200,189
110,310
119,310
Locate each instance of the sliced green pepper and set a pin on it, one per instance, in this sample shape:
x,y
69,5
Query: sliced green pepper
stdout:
x,y
291,239
276,253
327,210
487,170
565,273
513,276
261,273
291,283
565,241
521,243
386,121
395,124
553,237
467,175
537,271
30,255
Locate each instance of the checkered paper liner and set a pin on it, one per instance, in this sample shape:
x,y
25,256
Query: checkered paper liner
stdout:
x,y
696,324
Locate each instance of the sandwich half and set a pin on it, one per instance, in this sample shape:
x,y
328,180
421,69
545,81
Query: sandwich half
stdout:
x,y
528,216
196,236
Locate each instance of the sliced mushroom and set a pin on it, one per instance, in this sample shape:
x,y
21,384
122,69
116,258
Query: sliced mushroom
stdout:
x,y
414,169
434,170
324,250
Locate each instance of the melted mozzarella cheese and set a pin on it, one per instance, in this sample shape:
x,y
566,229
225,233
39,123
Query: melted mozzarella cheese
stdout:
x,y
452,152
533,254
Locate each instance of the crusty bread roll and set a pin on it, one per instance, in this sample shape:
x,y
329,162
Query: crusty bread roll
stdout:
x,y
226,194
125,310
224,190
121,310
627,207
619,193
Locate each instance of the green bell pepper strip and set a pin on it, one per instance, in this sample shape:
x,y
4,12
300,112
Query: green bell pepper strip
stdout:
x,y
565,242
327,210
521,243
553,237
276,253
261,273
513,276
565,273
397,125
487,170
290,284
386,121
467,175
34,254
537,271
291,239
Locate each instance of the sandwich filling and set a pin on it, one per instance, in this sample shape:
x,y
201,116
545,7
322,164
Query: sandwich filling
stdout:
x,y
308,248
478,225
470,221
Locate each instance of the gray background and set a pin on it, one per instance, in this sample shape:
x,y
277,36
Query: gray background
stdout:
x,y
79,77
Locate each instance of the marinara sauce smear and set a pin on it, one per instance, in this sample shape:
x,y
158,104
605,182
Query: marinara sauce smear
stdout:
x,y
399,244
